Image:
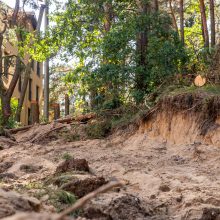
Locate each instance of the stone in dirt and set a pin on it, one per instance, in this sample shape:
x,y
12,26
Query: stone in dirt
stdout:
x,y
8,176
72,165
5,166
36,216
81,188
11,202
6,143
120,207
210,214
29,168
164,188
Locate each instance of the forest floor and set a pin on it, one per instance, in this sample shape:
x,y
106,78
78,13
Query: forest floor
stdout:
x,y
163,179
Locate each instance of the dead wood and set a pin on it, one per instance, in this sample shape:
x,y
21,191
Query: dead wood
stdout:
x,y
81,202
70,120
42,135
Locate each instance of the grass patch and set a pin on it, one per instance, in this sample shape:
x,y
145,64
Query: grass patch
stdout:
x,y
98,129
208,89
67,156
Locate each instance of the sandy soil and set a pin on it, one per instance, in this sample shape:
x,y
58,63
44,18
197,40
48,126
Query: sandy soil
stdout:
x,y
177,180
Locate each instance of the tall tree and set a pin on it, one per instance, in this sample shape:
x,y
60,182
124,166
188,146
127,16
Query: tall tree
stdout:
x,y
173,16
212,21
142,44
28,70
182,21
204,23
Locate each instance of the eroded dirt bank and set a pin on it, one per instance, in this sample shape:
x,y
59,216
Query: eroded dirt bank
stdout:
x,y
170,166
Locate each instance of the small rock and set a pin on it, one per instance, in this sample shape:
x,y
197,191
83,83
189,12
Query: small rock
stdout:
x,y
11,202
121,207
8,176
164,188
210,214
36,216
73,164
29,168
5,166
82,187
153,197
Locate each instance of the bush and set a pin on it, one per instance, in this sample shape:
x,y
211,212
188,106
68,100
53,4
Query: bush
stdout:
x,y
98,129
12,123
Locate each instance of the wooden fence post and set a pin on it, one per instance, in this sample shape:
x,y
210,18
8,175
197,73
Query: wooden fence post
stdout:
x,y
35,112
56,111
67,105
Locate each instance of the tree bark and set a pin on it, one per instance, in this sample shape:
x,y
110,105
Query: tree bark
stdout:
x,y
35,112
182,22
212,21
23,91
15,12
141,45
27,73
156,5
204,23
56,111
67,105
173,16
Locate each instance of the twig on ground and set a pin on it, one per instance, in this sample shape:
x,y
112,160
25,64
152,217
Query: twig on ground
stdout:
x,y
81,202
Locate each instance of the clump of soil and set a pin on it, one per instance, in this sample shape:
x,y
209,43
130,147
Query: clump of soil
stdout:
x,y
122,207
5,166
36,216
210,214
11,202
4,176
73,165
82,187
29,168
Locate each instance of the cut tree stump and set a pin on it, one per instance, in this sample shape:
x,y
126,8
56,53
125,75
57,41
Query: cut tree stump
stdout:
x,y
200,81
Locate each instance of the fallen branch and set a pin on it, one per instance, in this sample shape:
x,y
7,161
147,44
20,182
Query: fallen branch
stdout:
x,y
41,136
81,202
82,119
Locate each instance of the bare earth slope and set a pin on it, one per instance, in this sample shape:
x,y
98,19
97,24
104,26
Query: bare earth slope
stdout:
x,y
166,164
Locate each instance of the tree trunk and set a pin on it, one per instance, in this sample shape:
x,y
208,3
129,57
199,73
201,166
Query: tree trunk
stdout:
x,y
141,45
23,91
56,111
15,12
182,22
35,112
204,23
67,105
212,20
46,68
173,16
156,5
27,73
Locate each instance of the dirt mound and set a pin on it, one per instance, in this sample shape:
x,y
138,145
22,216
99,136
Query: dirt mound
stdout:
x,y
11,202
6,143
119,207
185,118
210,214
29,168
82,187
36,216
39,133
5,166
73,165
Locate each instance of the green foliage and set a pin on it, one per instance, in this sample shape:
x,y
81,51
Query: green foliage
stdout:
x,y
98,129
106,67
66,156
12,123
